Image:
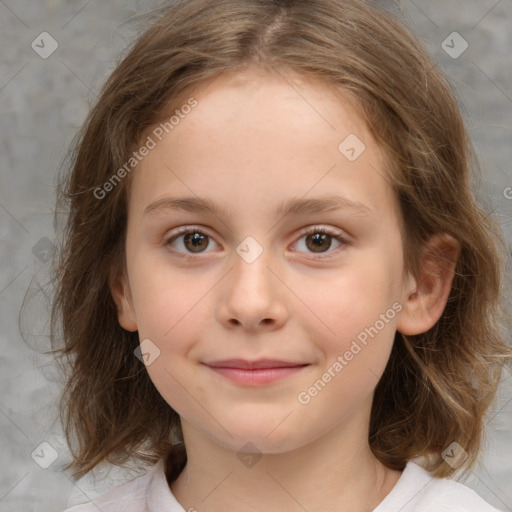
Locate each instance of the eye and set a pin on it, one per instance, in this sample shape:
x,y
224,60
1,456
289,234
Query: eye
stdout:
x,y
319,240
189,240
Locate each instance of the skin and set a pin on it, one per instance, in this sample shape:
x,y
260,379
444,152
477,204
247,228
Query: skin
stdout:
x,y
254,140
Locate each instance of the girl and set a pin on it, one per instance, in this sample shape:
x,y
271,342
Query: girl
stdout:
x,y
276,287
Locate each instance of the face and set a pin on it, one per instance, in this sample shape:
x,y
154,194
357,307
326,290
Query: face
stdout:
x,y
298,262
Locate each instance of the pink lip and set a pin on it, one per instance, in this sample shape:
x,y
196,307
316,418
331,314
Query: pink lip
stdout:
x,y
255,373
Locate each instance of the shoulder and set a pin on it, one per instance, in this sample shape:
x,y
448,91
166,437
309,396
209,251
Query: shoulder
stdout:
x,y
126,497
417,490
148,492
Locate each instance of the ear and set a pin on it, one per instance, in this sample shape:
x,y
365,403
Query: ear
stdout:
x,y
120,290
427,295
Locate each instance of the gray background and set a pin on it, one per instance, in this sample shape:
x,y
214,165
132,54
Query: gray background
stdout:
x,y
44,101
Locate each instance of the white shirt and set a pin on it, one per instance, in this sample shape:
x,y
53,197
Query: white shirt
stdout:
x,y
416,491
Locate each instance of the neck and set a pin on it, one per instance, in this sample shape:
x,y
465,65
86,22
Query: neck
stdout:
x,y
335,472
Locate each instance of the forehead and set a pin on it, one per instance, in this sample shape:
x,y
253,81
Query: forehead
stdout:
x,y
256,92
260,134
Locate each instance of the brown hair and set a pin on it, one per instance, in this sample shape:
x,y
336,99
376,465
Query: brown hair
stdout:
x,y
438,385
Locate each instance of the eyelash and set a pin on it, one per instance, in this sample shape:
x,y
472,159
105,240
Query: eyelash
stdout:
x,y
308,231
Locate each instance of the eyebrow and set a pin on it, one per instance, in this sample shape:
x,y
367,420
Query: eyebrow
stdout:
x,y
297,206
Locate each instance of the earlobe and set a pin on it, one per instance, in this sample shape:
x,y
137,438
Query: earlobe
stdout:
x,y
426,299
121,294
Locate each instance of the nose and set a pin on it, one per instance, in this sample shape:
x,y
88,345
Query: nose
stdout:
x,y
252,296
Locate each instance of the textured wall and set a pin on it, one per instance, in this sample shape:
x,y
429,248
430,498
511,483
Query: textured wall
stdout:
x,y
45,97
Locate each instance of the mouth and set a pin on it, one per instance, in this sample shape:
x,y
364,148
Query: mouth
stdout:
x,y
255,373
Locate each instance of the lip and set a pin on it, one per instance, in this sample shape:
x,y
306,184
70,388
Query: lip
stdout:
x,y
253,365
255,373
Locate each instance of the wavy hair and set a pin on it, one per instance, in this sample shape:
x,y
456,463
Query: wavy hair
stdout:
x,y
438,385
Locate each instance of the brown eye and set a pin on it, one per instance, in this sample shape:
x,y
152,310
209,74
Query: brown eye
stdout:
x,y
319,242
195,242
189,241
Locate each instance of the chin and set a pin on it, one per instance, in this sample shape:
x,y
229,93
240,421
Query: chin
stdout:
x,y
266,433
257,444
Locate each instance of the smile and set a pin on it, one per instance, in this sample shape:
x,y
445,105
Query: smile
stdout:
x,y
255,373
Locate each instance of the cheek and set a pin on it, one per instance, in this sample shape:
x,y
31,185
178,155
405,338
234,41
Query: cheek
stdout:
x,y
354,301
170,313
167,302
355,359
